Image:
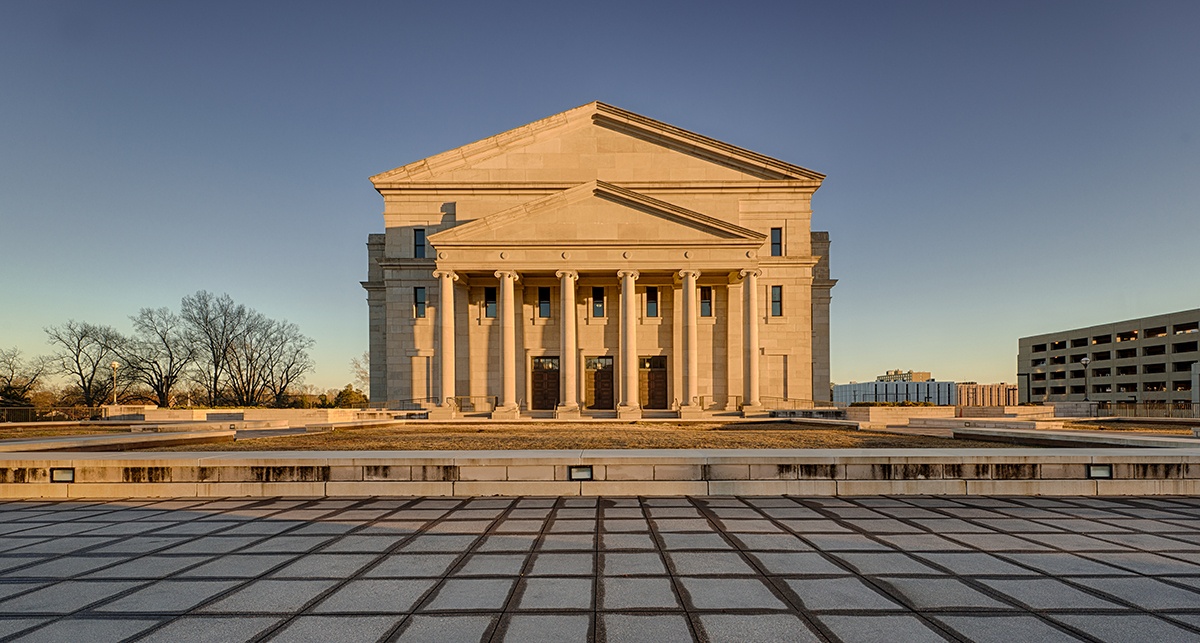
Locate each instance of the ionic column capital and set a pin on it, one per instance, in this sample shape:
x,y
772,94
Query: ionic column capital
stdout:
x,y
750,272
694,274
632,274
449,274
511,274
569,274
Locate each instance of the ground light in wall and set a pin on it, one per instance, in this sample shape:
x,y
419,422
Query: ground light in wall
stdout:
x,y
1100,471
579,472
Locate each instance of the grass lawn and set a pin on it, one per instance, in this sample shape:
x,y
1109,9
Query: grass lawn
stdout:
x,y
13,433
1131,427
598,435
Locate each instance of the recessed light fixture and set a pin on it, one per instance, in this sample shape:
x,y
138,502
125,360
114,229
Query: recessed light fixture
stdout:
x,y
580,472
63,474
1100,471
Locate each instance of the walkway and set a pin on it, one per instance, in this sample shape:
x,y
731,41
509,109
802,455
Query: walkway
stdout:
x,y
616,569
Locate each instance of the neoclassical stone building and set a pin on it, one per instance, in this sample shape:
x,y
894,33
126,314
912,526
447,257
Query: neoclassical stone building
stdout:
x,y
598,262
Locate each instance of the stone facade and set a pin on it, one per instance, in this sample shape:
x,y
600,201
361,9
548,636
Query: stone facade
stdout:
x,y
593,262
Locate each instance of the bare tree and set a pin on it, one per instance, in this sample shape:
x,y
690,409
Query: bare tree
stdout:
x,y
158,353
269,357
287,359
360,368
18,377
214,324
83,353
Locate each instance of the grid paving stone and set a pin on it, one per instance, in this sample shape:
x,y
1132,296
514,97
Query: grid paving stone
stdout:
x,y
941,593
846,593
1006,629
412,566
205,629
336,629
93,630
555,593
633,564
730,593
694,541
861,628
324,566
1146,563
271,596
764,628
168,596
64,597
1127,627
1048,593
562,564
471,594
885,563
1143,592
771,542
797,563
508,542
238,566
446,629
638,593
974,563
646,627
396,595
547,628
10,626
1064,564
492,565
627,541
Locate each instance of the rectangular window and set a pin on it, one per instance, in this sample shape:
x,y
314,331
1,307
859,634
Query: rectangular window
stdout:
x,y
1039,390
1058,346
544,302
1102,355
419,302
419,243
706,301
776,242
489,302
1039,348
1102,339
1127,336
1126,353
1040,361
1079,341
1160,331
777,301
1189,327
1154,350
597,301
1184,347
1101,372
652,301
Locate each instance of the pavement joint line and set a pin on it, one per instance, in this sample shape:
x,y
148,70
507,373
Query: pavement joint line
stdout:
x,y
676,585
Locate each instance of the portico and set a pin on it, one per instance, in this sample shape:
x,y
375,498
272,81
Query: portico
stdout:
x,y
597,263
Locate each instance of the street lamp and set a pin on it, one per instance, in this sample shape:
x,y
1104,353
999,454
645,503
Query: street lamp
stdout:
x,y
115,365
1085,361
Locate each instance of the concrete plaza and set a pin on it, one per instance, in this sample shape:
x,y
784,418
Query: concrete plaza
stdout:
x,y
918,568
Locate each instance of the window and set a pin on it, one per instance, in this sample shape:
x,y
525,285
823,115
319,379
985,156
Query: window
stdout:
x,y
1127,370
776,242
1159,331
1080,341
544,302
419,302
1154,350
1076,390
597,301
652,301
1039,390
1077,374
419,243
1075,359
1058,346
1101,372
1189,327
1103,355
777,301
1182,367
1102,388
1150,369
1154,387
1039,348
489,302
1040,361
1058,375
1127,336
706,301
1058,359
1127,388
1126,353
1184,347
1102,339
1039,377
1058,390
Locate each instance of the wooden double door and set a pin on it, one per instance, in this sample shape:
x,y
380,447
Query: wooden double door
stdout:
x,y
599,385
652,382
545,383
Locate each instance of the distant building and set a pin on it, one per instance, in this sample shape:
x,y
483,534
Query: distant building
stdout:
x,y
1151,359
975,394
904,376
939,393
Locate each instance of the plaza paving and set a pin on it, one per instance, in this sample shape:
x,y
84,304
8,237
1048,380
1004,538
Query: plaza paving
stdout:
x,y
617,569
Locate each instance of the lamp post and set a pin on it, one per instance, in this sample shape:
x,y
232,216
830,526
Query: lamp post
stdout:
x,y
1085,361
115,365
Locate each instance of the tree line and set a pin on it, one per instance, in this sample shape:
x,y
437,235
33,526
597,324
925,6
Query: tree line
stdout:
x,y
223,352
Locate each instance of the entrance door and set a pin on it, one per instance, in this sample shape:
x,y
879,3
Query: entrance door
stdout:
x,y
652,381
599,389
545,383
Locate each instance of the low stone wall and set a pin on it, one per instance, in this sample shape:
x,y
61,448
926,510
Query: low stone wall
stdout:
x,y
1023,412
878,417
614,473
293,417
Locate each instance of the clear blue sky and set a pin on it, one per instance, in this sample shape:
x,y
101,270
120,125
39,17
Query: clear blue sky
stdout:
x,y
995,169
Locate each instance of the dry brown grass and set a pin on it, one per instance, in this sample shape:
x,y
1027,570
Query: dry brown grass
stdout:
x,y
606,435
13,433
1130,427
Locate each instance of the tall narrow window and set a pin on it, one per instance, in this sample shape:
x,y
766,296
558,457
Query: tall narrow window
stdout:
x,y
777,301
544,302
419,301
419,243
652,301
489,302
706,301
597,301
776,242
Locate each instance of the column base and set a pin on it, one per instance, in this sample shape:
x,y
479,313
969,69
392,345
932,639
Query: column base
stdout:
x,y
506,413
755,410
564,412
690,412
629,412
446,412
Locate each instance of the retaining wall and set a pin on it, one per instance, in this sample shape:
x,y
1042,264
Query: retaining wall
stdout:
x,y
615,473
878,417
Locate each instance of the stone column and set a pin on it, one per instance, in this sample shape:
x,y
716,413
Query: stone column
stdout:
x,y
750,401
445,322
630,404
568,405
691,344
508,347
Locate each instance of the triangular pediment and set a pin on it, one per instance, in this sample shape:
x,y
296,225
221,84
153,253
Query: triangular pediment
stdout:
x,y
597,214
595,142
